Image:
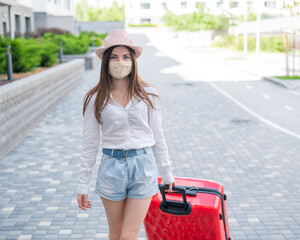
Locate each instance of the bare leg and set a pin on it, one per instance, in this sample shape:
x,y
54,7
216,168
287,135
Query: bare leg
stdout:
x,y
114,213
134,214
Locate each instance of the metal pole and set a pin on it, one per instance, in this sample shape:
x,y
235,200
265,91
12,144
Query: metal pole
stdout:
x,y
258,29
294,37
245,28
285,44
8,63
60,53
9,23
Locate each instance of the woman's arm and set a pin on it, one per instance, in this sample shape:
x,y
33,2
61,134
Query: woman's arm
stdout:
x,y
160,148
90,144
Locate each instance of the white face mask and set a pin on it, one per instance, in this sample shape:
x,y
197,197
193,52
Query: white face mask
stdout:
x,y
120,69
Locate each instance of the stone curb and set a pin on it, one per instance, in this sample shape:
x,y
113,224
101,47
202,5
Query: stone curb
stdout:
x,y
293,85
276,81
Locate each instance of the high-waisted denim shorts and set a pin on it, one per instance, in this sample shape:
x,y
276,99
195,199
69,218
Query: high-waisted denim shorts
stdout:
x,y
134,177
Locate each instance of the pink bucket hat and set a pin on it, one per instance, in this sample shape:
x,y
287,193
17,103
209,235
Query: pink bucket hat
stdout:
x,y
118,37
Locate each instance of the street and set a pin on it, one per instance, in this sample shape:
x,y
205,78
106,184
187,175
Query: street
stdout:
x,y
208,134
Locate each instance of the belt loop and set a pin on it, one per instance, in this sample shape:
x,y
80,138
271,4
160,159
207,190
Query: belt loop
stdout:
x,y
112,153
145,151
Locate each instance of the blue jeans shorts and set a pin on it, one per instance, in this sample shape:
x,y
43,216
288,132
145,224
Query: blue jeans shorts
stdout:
x,y
134,177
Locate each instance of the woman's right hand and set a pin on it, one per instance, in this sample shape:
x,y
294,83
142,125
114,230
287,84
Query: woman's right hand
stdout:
x,y
83,202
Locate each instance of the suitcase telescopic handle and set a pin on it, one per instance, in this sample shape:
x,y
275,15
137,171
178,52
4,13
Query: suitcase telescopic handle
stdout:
x,y
174,207
179,189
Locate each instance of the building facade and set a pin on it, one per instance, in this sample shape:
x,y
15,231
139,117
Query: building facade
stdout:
x,y
16,17
152,11
55,13
100,3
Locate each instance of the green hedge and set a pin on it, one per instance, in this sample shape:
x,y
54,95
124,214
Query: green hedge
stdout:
x,y
27,54
196,21
98,37
70,43
267,43
33,52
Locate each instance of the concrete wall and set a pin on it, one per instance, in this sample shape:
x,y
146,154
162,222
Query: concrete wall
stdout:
x,y
42,20
91,60
54,8
65,22
99,27
49,14
267,26
25,102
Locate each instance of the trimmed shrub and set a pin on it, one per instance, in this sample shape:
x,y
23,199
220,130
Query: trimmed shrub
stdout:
x,y
196,21
33,52
70,43
267,43
27,54
3,43
29,34
48,53
98,38
58,31
22,62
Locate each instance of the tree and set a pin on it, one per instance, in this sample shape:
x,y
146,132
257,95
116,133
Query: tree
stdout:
x,y
86,13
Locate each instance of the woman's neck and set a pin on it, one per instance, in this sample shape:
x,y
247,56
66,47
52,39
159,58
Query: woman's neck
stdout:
x,y
120,84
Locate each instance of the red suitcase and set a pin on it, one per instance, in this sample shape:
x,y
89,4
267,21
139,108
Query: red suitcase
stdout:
x,y
196,210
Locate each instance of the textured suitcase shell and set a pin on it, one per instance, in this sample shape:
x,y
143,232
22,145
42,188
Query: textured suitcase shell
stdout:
x,y
205,221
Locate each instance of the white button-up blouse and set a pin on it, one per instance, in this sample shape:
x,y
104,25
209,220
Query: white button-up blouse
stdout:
x,y
130,127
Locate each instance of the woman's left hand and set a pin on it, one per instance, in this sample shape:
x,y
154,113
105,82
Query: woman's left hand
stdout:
x,y
170,186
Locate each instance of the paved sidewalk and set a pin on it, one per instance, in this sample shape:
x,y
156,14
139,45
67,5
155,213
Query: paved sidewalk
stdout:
x,y
208,137
258,67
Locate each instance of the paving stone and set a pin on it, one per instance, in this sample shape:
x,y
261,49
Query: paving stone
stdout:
x,y
257,164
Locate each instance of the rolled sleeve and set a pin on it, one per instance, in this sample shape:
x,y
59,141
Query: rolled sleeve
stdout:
x,y
160,148
90,145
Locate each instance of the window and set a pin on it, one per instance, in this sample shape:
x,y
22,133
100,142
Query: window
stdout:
x,y
4,28
164,4
219,4
17,23
200,5
183,4
270,4
27,24
67,4
145,20
145,5
234,4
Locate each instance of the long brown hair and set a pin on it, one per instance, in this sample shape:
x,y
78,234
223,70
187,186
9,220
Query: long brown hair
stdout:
x,y
135,87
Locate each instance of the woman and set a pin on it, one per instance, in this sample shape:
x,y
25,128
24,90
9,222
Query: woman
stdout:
x,y
128,111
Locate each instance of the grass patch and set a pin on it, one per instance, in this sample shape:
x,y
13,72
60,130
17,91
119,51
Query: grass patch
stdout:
x,y
288,77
